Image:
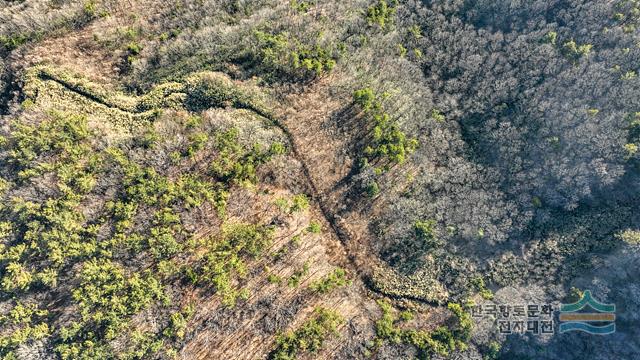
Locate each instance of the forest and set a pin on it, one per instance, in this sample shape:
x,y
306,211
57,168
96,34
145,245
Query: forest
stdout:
x,y
314,179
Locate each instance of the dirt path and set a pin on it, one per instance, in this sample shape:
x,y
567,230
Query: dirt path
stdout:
x,y
247,332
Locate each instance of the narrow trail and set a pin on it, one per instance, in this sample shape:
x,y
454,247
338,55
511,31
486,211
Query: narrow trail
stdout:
x,y
44,76
339,231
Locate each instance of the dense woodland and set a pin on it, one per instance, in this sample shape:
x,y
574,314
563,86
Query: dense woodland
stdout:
x,y
485,151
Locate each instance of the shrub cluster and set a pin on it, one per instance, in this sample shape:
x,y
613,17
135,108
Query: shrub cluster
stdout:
x,y
387,141
335,279
309,337
285,56
224,259
76,210
441,341
382,13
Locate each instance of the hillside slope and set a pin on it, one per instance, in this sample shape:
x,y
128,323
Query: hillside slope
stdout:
x,y
271,179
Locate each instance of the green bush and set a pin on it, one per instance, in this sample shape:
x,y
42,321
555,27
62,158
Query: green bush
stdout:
x,y
425,232
178,323
233,163
274,279
206,90
335,279
107,295
302,5
27,323
314,227
387,141
16,277
481,288
193,191
296,277
197,142
300,203
283,54
53,231
366,99
440,341
493,351
148,139
14,41
373,189
437,115
309,337
139,215
573,51
462,332
60,136
224,258
382,13
277,148
629,236
551,37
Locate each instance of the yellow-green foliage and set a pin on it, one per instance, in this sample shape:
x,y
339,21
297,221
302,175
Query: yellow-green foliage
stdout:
x,y
53,231
387,142
210,89
296,277
52,88
274,279
63,139
631,149
440,341
393,283
14,41
335,279
437,115
573,51
372,189
300,203
481,288
107,294
493,351
282,204
297,203
382,13
633,140
167,95
225,258
33,28
302,5
425,233
178,322
574,295
551,37
309,337
90,209
234,163
314,227
630,236
283,54
144,345
25,322
462,331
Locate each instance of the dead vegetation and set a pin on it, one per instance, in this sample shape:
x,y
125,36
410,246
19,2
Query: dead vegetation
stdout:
x,y
218,164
